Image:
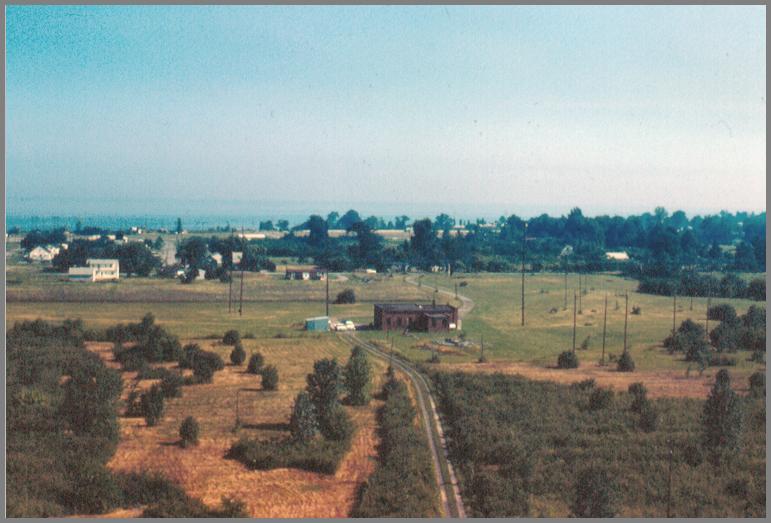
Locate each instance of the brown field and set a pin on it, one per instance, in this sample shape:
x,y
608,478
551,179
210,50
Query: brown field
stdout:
x,y
204,472
660,384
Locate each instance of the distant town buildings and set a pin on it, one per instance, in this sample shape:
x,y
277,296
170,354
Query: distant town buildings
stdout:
x,y
306,274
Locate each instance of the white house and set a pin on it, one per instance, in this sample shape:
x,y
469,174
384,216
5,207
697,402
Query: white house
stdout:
x,y
217,257
236,257
97,270
41,254
617,255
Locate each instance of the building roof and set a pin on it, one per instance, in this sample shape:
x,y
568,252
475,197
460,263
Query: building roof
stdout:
x,y
415,307
317,318
101,260
80,271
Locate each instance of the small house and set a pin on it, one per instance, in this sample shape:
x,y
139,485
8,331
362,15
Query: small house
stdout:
x,y
415,316
96,270
217,257
317,324
236,256
617,256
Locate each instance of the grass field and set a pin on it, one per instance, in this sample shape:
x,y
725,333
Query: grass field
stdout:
x,y
204,472
549,326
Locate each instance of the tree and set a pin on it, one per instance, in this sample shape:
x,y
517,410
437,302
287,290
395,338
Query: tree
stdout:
x,y
335,424
567,360
625,362
324,385
596,494
137,258
188,432
758,385
332,219
255,364
238,354
152,405
178,228
283,225
171,384
266,225
194,252
348,219
231,337
357,376
303,423
318,229
269,377
205,364
722,416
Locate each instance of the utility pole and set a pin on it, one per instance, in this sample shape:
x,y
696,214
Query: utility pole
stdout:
x,y
327,300
604,329
574,323
580,293
524,240
565,306
241,263
626,316
456,290
230,278
674,313
669,480
706,322
482,344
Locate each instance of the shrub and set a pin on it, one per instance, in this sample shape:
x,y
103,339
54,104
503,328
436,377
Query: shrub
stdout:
x,y
238,354
722,415
600,398
189,352
303,423
717,360
152,405
434,357
722,312
725,337
758,385
693,455
596,494
625,362
269,377
171,384
336,425
231,337
346,296
639,396
649,418
587,384
317,455
188,431
324,385
636,310
357,376
567,360
255,364
585,343
205,364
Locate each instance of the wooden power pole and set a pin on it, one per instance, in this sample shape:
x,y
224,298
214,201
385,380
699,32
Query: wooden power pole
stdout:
x,y
604,329
574,322
241,263
326,302
565,306
626,316
524,240
674,314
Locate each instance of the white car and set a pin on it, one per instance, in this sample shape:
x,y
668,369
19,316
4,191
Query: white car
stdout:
x,y
349,325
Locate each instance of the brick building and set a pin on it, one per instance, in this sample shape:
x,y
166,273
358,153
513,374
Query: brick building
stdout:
x,y
415,317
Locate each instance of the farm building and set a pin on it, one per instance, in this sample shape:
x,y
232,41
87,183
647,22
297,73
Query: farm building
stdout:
x,y
617,256
416,317
319,323
46,253
306,274
96,270
217,257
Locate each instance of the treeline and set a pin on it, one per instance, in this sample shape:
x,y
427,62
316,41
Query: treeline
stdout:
x,y
135,258
403,484
63,428
659,244
689,283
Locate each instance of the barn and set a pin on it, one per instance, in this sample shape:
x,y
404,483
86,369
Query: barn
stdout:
x,y
415,317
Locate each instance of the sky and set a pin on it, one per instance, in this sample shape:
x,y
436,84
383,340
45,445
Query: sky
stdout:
x,y
496,110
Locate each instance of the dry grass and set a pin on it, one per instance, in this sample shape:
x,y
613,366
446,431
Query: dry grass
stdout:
x,y
660,384
203,471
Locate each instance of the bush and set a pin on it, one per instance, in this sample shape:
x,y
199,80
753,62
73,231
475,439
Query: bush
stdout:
x,y
596,494
722,312
357,376
171,384
238,354
649,418
587,384
269,377
152,405
725,337
567,360
316,455
585,343
434,357
189,352
758,385
188,432
346,296
336,425
231,337
716,360
625,362
722,416
205,364
639,397
303,423
600,398
636,310
693,455
255,364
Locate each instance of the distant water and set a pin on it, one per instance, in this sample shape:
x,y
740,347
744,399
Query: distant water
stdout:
x,y
48,213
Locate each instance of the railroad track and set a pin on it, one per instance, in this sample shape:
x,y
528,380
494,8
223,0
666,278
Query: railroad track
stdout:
x,y
452,503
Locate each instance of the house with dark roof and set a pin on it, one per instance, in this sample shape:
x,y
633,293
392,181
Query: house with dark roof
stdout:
x,y
415,317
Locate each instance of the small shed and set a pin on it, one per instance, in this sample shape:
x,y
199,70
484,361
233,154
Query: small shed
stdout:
x,y
319,323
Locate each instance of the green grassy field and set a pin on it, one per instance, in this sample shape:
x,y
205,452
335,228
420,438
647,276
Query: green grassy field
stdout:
x,y
548,325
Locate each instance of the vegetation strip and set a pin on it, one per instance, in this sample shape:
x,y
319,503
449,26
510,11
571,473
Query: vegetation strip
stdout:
x,y
451,501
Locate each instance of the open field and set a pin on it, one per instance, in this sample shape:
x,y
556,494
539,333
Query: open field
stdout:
x,y
548,329
204,472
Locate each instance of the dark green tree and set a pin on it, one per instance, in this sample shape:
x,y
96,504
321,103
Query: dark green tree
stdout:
x,y
722,416
357,377
596,494
303,423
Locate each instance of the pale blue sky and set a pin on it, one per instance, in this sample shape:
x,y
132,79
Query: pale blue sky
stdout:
x,y
528,109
